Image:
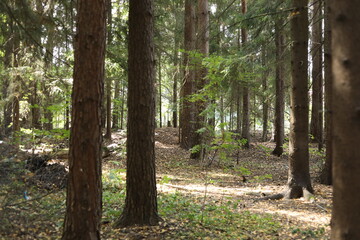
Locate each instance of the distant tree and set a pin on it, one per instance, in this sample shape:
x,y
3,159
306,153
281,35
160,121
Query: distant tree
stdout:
x,y
84,191
316,125
141,195
326,172
346,119
280,88
245,134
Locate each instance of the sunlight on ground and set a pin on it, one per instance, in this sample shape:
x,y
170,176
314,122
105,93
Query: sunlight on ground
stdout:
x,y
161,145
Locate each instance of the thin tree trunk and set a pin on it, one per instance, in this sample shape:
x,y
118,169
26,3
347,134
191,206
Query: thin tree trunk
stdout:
x,y
246,94
265,101
116,110
280,89
316,125
326,172
159,92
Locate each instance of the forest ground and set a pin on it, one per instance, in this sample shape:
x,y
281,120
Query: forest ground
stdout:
x,y
196,201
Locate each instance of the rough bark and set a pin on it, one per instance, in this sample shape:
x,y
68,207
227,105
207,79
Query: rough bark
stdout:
x,y
200,81
187,88
326,173
280,89
245,134
316,125
299,183
84,189
141,196
346,119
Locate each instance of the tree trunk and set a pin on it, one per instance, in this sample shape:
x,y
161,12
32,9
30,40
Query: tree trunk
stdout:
x,y
141,196
108,109
299,183
316,125
245,134
280,89
7,111
176,72
265,101
200,81
326,172
159,92
116,110
84,191
346,119
187,88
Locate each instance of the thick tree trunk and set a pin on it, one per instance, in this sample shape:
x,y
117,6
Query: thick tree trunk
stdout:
x,y
245,134
84,189
346,119
280,89
299,183
200,81
316,125
141,196
187,88
326,173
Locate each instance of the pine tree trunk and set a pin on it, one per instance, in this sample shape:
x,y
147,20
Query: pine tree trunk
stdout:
x,y
316,125
84,189
280,89
246,94
265,101
326,172
299,183
141,196
346,119
116,110
200,138
187,88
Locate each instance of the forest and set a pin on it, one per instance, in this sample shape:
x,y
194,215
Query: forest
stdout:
x,y
183,119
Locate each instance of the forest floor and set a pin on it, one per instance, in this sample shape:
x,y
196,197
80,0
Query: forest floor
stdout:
x,y
196,200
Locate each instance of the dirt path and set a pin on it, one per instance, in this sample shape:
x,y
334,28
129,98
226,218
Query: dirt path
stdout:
x,y
265,175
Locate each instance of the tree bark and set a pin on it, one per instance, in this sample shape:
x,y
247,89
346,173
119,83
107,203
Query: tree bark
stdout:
x,y
316,125
299,183
326,172
246,94
187,88
141,196
346,119
265,101
280,89
200,81
84,189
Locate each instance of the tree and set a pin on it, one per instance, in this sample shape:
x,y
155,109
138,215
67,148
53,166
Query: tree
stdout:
x,y
141,196
187,88
245,134
299,183
280,89
84,191
202,45
326,173
346,119
316,125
